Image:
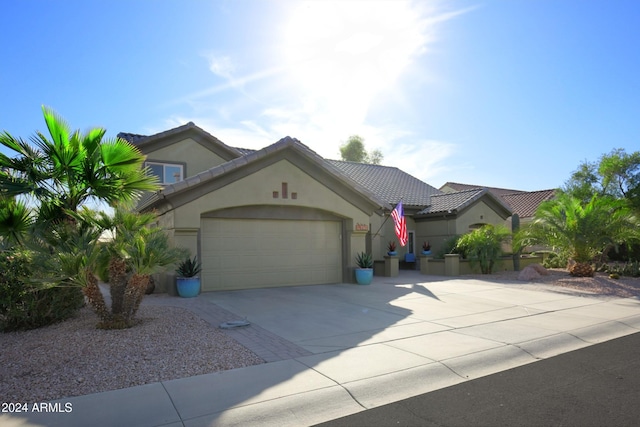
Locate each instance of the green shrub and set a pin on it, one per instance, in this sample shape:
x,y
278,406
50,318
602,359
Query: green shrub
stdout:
x,y
449,246
24,305
629,269
555,260
484,245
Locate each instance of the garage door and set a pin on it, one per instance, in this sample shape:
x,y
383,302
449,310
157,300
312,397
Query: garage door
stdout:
x,y
252,253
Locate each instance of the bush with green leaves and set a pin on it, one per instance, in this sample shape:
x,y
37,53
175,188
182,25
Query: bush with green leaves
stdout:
x,y
28,305
484,245
449,246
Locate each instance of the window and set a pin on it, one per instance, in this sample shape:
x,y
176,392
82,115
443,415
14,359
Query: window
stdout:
x,y
167,173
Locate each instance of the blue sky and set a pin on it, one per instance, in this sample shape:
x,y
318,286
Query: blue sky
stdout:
x,y
512,94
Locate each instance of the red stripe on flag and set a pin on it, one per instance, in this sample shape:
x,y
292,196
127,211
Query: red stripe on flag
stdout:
x,y
400,224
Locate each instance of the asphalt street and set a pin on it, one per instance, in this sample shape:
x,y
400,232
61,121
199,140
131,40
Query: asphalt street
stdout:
x,y
595,386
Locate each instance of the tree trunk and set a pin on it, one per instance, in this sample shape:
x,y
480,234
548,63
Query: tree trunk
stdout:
x,y
117,284
581,269
133,296
93,294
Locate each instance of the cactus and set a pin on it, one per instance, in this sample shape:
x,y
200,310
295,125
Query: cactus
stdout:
x,y
515,226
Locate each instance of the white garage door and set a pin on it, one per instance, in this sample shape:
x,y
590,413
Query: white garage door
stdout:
x,y
253,253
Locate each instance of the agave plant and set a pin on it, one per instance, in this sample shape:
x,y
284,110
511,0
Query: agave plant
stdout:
x,y
189,267
364,260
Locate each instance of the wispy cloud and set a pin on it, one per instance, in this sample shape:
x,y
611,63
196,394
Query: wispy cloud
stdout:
x,y
337,59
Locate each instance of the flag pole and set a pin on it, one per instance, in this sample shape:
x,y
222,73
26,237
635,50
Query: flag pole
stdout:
x,y
385,220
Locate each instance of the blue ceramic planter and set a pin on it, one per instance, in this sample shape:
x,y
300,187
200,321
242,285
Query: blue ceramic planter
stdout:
x,y
392,253
364,276
188,287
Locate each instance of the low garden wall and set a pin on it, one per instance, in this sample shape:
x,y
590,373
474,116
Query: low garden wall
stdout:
x,y
453,265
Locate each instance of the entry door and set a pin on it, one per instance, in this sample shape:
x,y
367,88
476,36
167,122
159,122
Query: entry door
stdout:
x,y
411,242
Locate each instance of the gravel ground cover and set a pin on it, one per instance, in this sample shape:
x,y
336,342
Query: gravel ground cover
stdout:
x,y
74,358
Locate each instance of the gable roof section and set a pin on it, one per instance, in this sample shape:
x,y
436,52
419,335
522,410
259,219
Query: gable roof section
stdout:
x,y
495,190
525,204
150,143
388,183
453,203
189,189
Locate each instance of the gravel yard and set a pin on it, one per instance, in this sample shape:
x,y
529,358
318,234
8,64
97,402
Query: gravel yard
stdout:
x,y
74,358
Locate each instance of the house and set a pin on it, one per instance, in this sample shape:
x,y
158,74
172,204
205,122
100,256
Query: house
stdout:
x,y
522,203
283,215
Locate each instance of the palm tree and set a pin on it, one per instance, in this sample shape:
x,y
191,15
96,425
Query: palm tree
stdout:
x,y
63,171
139,248
581,231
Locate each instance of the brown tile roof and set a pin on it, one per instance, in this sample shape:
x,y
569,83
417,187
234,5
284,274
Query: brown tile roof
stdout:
x,y
388,183
455,202
495,190
523,203
526,203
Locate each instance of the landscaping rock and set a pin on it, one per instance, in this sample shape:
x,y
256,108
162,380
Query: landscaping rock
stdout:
x,y
540,269
529,273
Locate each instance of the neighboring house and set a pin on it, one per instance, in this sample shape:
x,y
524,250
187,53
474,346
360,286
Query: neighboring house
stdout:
x,y
283,215
522,203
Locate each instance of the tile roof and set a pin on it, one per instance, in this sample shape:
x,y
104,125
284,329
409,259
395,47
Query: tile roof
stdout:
x,y
133,138
459,200
526,203
450,202
388,183
523,203
495,190
255,155
143,140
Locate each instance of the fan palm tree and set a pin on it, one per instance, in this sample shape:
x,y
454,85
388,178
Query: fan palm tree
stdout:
x,y
581,231
139,248
64,170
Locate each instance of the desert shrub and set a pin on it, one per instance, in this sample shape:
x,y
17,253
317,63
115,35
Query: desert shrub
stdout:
x,y
484,246
629,269
624,253
449,246
555,260
27,305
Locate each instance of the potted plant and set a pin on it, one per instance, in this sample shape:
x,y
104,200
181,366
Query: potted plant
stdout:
x,y
426,248
392,248
188,281
364,272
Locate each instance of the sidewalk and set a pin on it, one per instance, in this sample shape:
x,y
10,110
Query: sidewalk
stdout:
x,y
340,349
594,386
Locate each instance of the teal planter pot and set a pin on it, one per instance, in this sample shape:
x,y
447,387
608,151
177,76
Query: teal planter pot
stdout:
x,y
188,287
364,276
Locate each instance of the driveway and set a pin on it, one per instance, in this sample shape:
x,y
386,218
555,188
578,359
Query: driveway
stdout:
x,y
345,348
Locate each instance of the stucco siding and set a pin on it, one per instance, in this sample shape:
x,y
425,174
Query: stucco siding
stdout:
x,y
196,157
480,213
258,189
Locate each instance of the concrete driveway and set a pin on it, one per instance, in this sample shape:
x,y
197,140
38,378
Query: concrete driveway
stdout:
x,y
365,346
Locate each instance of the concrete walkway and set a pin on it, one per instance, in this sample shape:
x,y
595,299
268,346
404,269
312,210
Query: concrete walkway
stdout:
x,y
336,350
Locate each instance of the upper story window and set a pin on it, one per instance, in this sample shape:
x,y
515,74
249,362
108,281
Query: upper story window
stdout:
x,y
167,173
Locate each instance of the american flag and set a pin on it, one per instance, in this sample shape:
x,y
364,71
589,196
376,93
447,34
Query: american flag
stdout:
x,y
400,224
